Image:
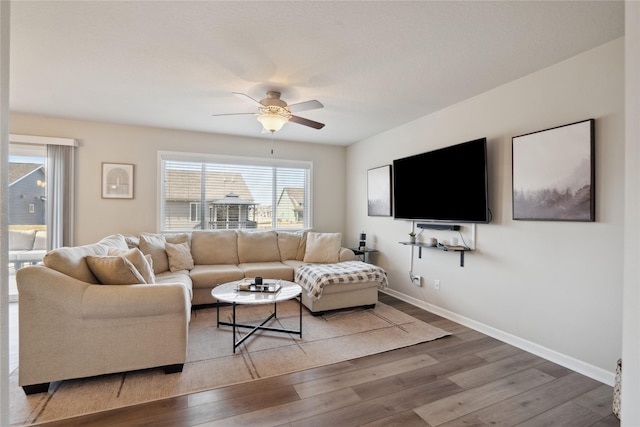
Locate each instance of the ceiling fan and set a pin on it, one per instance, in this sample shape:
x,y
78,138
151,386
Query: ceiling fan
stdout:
x,y
273,112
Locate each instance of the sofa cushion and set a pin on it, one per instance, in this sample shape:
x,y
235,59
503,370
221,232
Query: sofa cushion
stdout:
x,y
114,270
179,255
214,247
294,263
72,261
268,270
139,261
288,244
154,244
181,277
323,247
209,276
303,246
258,246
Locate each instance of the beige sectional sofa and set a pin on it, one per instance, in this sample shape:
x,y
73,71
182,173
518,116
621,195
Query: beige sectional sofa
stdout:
x,y
124,303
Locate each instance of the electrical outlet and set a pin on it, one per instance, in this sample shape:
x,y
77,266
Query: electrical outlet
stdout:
x,y
436,285
417,280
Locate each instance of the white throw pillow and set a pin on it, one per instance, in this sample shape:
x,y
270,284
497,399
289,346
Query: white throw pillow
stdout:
x,y
179,256
323,247
114,270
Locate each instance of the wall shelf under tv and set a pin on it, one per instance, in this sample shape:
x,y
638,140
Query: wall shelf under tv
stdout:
x,y
449,227
461,249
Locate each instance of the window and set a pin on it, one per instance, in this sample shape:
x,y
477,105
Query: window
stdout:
x,y
194,209
221,192
27,187
39,199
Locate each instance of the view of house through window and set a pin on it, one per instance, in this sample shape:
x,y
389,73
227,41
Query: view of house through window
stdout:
x,y
232,193
27,198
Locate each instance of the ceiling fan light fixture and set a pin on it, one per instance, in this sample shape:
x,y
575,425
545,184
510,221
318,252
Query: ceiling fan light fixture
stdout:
x,y
272,122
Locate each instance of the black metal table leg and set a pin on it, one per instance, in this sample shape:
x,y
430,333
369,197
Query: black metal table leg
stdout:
x,y
235,325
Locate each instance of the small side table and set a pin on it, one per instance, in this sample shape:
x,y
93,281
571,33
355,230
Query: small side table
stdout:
x,y
362,255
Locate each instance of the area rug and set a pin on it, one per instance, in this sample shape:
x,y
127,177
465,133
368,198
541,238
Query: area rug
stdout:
x,y
211,363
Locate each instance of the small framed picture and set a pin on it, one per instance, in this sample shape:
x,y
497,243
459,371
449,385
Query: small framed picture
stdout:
x,y
117,181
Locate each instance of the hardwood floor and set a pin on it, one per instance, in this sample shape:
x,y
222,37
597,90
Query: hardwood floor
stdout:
x,y
466,379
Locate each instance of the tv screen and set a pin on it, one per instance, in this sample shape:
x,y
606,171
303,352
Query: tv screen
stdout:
x,y
444,185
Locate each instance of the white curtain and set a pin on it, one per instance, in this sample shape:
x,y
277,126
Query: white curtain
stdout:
x,y
60,190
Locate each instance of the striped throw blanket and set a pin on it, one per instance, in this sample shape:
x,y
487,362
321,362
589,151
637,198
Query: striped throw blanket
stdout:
x,y
313,277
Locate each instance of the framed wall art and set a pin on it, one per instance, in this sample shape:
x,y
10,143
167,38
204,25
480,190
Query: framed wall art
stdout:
x,y
554,173
379,191
117,181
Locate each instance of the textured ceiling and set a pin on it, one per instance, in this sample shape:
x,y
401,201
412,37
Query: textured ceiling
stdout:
x,y
374,65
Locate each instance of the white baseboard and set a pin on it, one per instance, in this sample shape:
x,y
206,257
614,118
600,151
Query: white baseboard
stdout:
x,y
591,371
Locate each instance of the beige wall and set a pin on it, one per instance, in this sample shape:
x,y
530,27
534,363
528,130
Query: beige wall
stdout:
x,y
554,288
102,142
631,294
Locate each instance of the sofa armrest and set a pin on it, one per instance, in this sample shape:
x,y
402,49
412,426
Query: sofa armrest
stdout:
x,y
40,286
346,254
122,301
55,291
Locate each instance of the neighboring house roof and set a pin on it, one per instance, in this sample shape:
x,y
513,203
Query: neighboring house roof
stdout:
x,y
295,194
18,171
233,199
186,185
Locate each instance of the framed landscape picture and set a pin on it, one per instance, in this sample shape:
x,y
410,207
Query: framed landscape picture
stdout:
x,y
379,191
117,181
553,173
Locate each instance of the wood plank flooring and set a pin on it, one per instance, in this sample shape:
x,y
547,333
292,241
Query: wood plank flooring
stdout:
x,y
467,379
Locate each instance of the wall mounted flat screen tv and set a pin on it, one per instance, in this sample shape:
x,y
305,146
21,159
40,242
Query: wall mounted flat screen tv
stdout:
x,y
444,185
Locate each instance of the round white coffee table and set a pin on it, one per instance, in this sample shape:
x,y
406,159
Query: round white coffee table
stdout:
x,y
230,293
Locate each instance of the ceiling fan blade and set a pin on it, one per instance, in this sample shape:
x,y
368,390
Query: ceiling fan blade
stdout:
x,y
304,106
233,114
244,95
306,122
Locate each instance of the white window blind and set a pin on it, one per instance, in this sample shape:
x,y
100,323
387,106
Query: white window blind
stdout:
x,y
220,192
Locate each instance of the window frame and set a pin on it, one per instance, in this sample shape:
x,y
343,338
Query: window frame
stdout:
x,y
234,160
195,208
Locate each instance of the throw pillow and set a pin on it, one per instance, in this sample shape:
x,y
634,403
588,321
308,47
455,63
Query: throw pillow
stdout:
x,y
153,244
72,261
139,261
114,270
323,247
179,256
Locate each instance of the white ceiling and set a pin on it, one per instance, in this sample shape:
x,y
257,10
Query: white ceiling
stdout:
x,y
374,65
